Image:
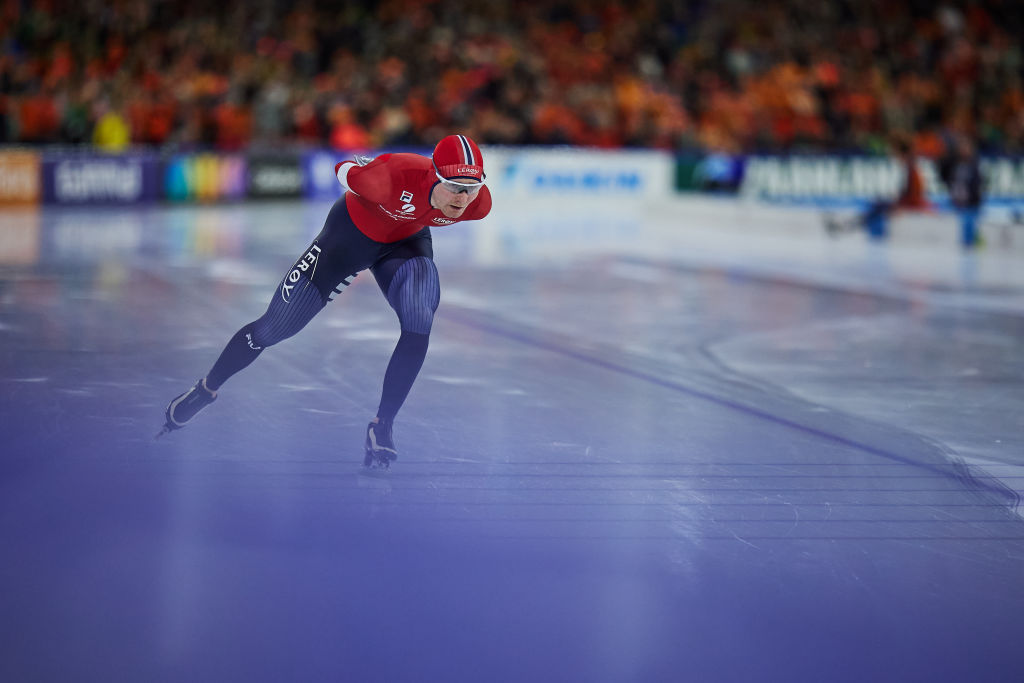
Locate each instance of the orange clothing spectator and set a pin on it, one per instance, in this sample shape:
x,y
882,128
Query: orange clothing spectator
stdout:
x,y
346,133
39,119
234,126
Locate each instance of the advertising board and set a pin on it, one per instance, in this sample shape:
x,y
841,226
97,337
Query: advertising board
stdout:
x,y
19,177
87,178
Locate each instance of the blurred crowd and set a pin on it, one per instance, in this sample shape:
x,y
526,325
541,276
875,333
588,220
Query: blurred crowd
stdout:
x,y
721,75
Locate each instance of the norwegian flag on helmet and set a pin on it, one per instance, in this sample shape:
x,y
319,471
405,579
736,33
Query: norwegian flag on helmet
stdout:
x,y
456,156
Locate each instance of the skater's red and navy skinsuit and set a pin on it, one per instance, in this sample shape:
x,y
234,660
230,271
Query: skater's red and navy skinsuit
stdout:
x,y
382,223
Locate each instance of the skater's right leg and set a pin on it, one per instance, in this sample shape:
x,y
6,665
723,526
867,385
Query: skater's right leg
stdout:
x,y
323,270
282,319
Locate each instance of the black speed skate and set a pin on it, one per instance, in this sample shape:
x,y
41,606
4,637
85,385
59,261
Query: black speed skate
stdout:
x,y
380,447
184,407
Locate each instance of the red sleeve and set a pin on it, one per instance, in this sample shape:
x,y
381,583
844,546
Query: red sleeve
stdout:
x,y
373,181
479,208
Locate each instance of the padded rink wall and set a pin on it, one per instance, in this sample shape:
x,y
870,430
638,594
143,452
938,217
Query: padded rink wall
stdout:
x,y
548,202
552,200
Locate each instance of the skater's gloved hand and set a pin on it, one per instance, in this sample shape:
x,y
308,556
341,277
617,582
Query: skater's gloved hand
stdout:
x,y
361,159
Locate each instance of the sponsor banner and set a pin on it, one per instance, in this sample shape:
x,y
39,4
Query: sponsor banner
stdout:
x,y
1003,178
830,178
320,180
275,176
825,179
710,173
532,172
100,179
19,177
204,177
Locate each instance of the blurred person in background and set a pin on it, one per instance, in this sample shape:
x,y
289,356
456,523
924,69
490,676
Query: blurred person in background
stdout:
x,y
5,119
38,118
347,133
961,173
111,133
911,197
382,223
270,110
75,123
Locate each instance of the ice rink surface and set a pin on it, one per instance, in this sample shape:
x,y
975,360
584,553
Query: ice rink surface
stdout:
x,y
642,448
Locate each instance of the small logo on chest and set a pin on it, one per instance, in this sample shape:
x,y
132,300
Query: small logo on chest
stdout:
x,y
406,199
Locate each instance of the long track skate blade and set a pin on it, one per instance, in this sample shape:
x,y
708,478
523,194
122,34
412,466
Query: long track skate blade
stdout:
x,y
376,462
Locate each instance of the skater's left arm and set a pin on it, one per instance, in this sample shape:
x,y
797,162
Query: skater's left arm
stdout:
x,y
368,178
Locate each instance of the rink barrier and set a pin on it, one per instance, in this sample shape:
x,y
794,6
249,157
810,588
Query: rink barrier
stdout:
x,y
578,174
319,179
81,177
205,177
824,180
19,177
275,176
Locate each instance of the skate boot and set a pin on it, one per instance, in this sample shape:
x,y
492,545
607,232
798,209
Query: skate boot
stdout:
x,y
380,447
184,407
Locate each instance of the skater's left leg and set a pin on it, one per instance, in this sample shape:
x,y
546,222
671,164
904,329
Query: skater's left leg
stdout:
x,y
414,293
412,287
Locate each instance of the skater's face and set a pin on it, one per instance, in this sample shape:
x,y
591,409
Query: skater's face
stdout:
x,y
451,197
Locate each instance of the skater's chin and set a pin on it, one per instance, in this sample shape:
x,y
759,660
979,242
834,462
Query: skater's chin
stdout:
x,y
452,211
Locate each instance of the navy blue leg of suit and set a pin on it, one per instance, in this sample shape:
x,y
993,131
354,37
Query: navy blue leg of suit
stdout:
x,y
281,320
414,293
404,271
